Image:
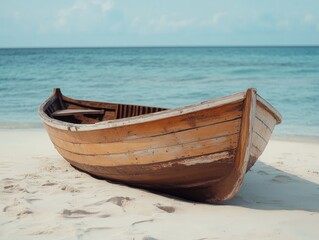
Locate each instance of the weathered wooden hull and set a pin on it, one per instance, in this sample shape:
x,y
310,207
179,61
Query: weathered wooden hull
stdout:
x,y
200,152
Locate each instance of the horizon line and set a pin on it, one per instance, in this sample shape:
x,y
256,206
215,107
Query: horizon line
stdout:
x,y
164,46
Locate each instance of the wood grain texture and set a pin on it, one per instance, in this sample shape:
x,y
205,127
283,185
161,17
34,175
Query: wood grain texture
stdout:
x,y
184,173
200,152
142,119
150,155
227,187
264,116
263,127
153,128
270,109
159,141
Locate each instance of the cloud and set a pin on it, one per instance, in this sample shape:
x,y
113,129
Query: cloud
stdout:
x,y
105,6
308,18
215,20
167,24
81,13
64,14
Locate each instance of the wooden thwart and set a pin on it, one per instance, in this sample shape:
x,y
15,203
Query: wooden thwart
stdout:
x,y
68,112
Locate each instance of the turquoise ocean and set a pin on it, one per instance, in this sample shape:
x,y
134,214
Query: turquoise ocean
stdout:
x,y
287,77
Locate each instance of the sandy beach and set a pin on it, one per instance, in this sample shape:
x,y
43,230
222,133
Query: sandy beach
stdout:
x,y
43,197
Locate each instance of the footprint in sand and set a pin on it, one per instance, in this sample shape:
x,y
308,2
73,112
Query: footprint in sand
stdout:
x,y
9,180
8,186
31,200
31,176
119,201
262,172
281,179
76,213
149,238
24,212
167,209
44,232
17,209
51,168
69,189
15,188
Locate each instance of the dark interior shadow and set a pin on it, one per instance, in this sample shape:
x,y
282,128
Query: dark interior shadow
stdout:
x,y
268,188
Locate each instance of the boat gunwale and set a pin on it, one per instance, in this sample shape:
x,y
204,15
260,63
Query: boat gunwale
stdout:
x,y
218,102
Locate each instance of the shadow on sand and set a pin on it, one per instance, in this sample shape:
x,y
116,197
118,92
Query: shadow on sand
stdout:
x,y
268,188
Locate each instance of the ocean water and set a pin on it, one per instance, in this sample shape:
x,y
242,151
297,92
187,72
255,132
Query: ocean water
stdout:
x,y
287,77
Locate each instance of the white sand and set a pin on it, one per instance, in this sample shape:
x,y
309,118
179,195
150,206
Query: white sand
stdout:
x,y
43,197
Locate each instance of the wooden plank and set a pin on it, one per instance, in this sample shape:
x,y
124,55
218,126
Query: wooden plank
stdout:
x,y
255,152
263,115
261,129
50,101
89,104
259,142
94,104
109,115
154,128
171,174
134,111
129,113
68,112
263,126
122,111
149,156
181,137
269,108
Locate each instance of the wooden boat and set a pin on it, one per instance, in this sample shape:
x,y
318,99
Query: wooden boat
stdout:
x,y
200,152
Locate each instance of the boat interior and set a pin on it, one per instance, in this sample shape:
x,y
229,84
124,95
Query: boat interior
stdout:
x,y
88,112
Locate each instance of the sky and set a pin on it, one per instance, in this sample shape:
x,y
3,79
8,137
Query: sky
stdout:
x,y
111,23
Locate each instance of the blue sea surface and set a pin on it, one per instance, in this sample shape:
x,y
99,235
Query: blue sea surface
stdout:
x,y
287,77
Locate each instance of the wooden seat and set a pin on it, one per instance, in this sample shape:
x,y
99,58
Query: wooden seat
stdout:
x,y
68,112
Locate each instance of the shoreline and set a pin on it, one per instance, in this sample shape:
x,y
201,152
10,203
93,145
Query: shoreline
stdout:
x,y
36,183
